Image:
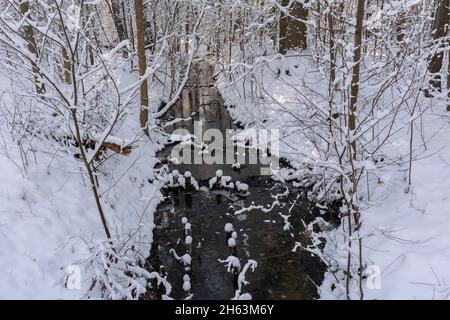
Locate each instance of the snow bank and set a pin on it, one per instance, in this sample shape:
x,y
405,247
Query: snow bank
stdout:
x,y
49,220
406,235
411,239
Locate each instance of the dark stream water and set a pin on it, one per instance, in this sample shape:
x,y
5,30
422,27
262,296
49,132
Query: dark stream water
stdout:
x,y
281,273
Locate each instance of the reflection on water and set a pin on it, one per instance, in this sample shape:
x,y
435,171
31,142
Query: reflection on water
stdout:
x,y
200,100
201,105
281,274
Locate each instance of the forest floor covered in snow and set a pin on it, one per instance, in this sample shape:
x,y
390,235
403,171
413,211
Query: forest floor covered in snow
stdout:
x,y
405,229
49,222
408,234
354,98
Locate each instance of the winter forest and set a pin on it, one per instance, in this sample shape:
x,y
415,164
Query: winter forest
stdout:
x,y
224,149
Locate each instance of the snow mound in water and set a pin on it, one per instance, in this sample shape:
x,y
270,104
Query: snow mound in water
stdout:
x,y
229,227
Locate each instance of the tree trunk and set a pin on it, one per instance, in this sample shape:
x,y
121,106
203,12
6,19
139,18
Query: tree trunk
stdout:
x,y
354,91
448,57
440,30
331,85
140,37
284,21
119,21
448,81
293,30
28,34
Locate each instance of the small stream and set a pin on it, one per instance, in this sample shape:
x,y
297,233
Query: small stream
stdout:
x,y
261,236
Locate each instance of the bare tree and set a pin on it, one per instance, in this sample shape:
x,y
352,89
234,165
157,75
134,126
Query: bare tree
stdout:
x,y
140,35
118,14
28,33
439,32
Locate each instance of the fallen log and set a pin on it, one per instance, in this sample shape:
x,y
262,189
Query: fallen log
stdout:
x,y
117,148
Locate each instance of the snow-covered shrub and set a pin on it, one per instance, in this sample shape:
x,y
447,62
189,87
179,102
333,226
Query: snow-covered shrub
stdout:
x,y
117,272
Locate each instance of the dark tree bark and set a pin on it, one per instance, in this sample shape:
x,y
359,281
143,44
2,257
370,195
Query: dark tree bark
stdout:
x,y
293,31
117,8
448,83
354,91
140,37
29,36
440,30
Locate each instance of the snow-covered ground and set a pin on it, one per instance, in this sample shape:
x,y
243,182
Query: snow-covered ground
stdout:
x,y
411,240
49,221
266,96
48,216
405,233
